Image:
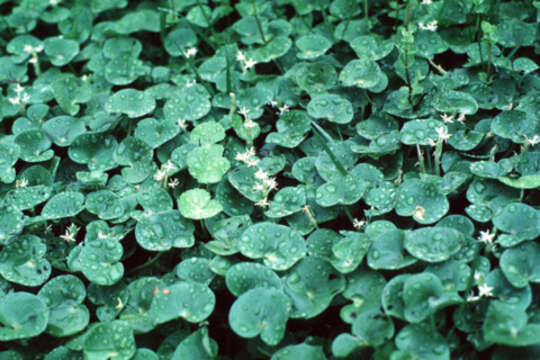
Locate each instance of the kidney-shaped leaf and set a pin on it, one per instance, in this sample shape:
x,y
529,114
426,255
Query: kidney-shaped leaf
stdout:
x,y
520,264
260,311
23,261
245,276
279,245
112,340
196,204
133,103
163,230
64,295
433,244
64,204
191,301
520,220
23,315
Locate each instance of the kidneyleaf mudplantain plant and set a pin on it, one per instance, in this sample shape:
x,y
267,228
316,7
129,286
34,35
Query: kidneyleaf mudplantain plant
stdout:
x,y
285,179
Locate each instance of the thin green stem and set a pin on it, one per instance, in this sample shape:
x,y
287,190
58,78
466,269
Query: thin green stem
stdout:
x,y
437,155
420,158
259,26
489,62
146,264
331,155
173,9
366,15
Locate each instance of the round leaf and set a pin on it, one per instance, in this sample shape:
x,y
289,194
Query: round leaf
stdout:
x,y
196,204
260,311
332,107
191,301
433,244
23,315
279,246
164,230
133,103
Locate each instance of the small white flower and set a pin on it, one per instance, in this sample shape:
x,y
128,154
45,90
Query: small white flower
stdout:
x,y
271,183
426,2
447,118
485,290
262,203
243,111
169,166
160,175
249,63
21,183
252,162
182,123
190,52
261,174
54,2
14,100
431,26
32,60
283,109
28,48
486,237
19,89
249,123
190,83
173,183
471,298
273,103
532,141
39,48
358,224
25,98
443,133
70,233
250,151
258,187
240,56
461,118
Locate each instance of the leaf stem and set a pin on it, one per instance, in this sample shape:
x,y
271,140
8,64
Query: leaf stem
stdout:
x,y
259,26
420,158
146,264
318,131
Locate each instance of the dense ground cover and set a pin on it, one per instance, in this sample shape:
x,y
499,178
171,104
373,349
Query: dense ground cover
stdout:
x,y
286,179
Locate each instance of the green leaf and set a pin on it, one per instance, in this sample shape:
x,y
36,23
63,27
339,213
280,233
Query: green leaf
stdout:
x,y
164,230
156,132
260,311
245,276
61,51
279,246
64,204
197,346
332,107
64,129
179,40
23,315
64,295
191,103
190,301
300,351
23,261
97,342
373,328
207,164
312,46
99,261
133,103
11,223
312,284
363,73
519,264
433,244
519,220
388,252
422,200
423,295
507,325
423,342
195,269
197,204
